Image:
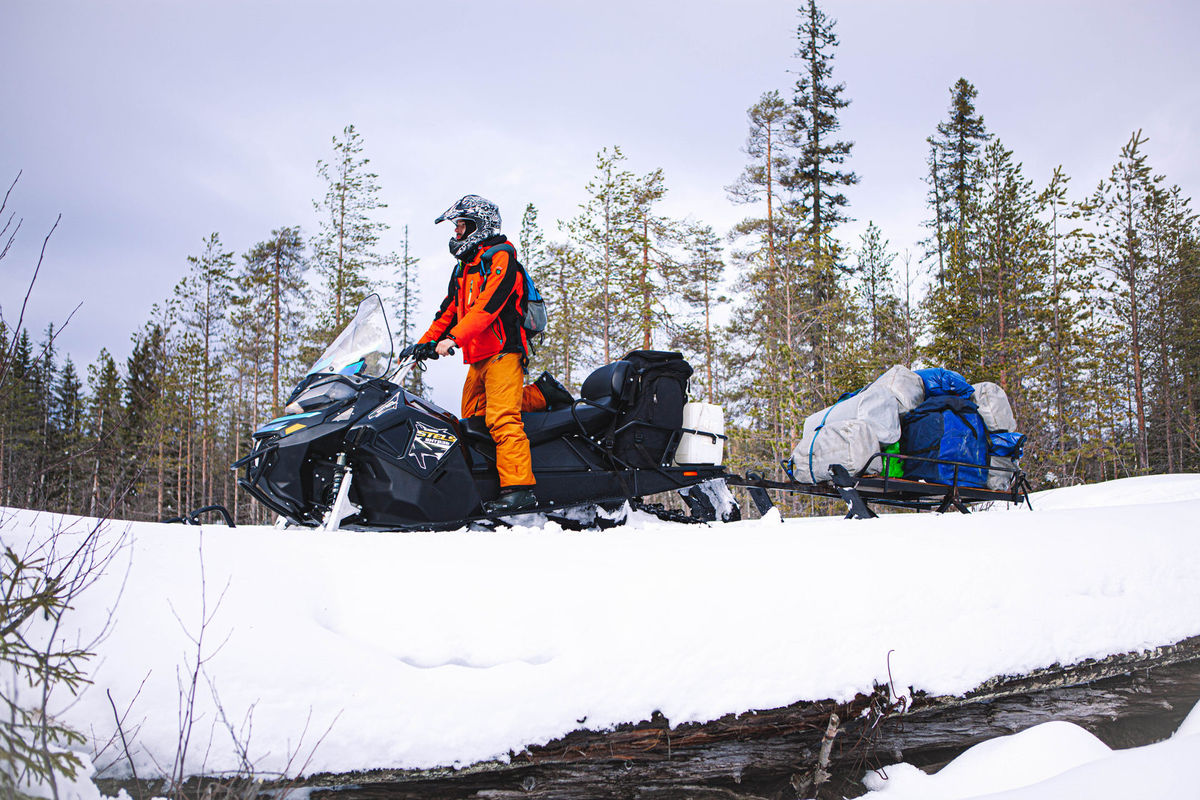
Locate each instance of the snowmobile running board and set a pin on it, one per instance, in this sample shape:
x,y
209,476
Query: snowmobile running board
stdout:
x,y
858,491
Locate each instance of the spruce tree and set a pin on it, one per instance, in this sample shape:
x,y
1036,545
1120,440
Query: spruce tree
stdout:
x,y
959,141
143,435
882,313
68,412
549,353
953,303
20,420
819,178
818,181
44,377
105,422
1011,269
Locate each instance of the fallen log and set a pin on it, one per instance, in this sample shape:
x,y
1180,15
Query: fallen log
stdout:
x,y
1126,700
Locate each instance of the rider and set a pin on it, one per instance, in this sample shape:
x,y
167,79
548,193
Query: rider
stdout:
x,y
482,315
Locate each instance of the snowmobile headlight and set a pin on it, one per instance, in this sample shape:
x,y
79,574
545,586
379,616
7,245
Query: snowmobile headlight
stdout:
x,y
320,396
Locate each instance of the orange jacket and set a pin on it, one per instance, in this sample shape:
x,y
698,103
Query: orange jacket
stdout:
x,y
482,312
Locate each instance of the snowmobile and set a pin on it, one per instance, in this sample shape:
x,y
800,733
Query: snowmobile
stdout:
x,y
355,449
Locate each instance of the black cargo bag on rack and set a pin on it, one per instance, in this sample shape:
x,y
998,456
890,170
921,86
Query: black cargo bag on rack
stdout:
x,y
646,431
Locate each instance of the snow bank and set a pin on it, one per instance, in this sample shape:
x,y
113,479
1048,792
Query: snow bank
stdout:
x,y
1051,761
426,649
1123,492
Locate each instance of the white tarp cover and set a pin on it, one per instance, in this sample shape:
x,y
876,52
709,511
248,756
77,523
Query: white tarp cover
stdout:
x,y
904,384
849,442
875,405
999,479
994,407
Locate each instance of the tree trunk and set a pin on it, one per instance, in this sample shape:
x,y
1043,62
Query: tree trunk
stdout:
x,y
1126,700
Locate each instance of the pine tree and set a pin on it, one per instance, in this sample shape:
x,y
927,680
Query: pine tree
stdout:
x,y
1120,206
345,247
651,282
203,298
272,290
1065,353
1170,225
767,324
408,295
700,276
564,347
604,233
1012,265
767,146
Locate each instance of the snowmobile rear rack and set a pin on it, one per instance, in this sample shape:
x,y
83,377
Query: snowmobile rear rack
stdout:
x,y
872,485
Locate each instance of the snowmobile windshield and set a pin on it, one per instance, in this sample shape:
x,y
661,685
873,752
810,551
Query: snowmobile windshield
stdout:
x,y
363,348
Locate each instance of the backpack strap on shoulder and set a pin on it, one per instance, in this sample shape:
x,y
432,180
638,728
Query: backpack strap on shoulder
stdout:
x,y
485,259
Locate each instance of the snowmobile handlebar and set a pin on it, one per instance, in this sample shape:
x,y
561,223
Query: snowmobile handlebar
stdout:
x,y
411,356
423,351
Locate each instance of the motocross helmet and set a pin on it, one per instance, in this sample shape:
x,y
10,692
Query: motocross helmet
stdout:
x,y
483,221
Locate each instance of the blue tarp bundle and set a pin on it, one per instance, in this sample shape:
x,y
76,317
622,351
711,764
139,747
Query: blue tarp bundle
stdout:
x,y
1006,444
939,382
946,427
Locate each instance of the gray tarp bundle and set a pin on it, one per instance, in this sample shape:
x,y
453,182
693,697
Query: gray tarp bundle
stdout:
x,y
855,428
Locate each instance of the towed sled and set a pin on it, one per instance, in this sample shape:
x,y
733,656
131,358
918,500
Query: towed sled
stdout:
x,y
356,449
873,485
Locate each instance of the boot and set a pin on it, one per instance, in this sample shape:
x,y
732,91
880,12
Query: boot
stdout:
x,y
555,393
513,498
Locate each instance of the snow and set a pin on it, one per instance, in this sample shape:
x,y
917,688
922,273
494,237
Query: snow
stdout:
x,y
351,650
1052,761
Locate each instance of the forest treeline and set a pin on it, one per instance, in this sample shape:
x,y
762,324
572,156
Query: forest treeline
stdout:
x,y
1084,304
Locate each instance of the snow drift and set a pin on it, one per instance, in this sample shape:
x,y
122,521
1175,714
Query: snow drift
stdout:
x,y
427,649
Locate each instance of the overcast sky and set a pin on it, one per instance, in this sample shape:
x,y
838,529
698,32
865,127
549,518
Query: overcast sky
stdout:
x,y
149,125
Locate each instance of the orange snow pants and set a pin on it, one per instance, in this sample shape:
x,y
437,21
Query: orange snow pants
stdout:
x,y
496,389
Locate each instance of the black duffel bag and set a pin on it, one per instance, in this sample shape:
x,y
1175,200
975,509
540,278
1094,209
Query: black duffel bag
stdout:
x,y
646,430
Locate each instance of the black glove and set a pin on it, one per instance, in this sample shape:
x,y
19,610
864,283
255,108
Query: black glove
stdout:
x,y
420,351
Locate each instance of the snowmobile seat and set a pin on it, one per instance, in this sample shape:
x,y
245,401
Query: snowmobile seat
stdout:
x,y
606,383
600,398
